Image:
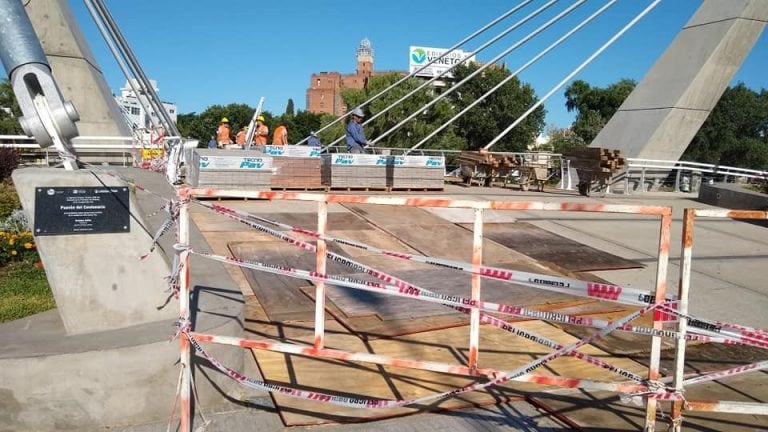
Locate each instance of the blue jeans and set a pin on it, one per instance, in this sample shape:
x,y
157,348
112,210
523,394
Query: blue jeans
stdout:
x,y
355,149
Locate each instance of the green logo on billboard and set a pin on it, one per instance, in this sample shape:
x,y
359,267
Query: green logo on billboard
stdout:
x,y
418,56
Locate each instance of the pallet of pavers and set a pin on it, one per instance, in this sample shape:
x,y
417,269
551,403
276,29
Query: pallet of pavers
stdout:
x,y
416,172
295,167
230,169
355,171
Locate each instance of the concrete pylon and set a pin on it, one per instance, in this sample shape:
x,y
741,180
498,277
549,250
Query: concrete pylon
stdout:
x,y
665,111
75,69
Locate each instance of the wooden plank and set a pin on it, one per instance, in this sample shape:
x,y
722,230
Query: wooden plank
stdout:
x,y
280,296
361,380
354,302
545,246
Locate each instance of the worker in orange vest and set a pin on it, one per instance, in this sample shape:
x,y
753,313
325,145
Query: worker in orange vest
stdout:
x,y
280,137
223,133
240,137
262,132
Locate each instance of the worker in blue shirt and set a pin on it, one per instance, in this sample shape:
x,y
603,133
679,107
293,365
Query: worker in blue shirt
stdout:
x,y
313,140
356,140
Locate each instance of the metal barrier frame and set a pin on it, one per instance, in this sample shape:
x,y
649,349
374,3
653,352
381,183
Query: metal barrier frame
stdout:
x,y
186,194
733,407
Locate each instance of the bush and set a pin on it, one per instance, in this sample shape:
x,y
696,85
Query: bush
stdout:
x,y
9,199
9,161
17,246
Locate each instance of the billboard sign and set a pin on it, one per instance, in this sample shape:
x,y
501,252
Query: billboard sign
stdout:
x,y
420,56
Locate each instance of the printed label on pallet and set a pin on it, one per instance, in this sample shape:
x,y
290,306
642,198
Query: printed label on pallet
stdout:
x,y
234,163
292,151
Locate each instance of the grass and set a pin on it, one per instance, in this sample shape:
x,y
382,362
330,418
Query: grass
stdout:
x,y
24,291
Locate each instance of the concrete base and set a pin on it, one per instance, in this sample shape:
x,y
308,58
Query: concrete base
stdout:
x,y
97,279
732,196
52,381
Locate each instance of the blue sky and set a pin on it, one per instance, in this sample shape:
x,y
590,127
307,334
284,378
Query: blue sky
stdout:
x,y
203,52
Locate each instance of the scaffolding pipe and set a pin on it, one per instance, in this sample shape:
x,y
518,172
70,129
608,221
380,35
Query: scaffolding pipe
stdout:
x,y
513,74
445,72
504,53
575,71
430,63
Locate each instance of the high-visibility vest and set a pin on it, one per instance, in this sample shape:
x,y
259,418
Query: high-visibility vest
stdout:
x,y
262,132
222,134
240,138
281,136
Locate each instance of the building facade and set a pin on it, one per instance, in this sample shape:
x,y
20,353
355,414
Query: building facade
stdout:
x,y
324,92
133,111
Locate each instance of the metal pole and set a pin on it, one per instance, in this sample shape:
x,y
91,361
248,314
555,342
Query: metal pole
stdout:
x,y
133,62
184,314
477,262
677,179
660,294
514,74
320,253
445,72
479,70
572,74
120,61
428,64
689,217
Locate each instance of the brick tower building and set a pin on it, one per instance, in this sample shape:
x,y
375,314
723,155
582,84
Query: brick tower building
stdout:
x,y
324,92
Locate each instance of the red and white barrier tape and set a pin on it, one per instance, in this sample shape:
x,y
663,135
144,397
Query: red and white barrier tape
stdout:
x,y
405,285
447,300
603,291
388,403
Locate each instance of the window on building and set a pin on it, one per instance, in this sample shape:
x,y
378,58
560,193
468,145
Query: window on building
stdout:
x,y
171,111
135,111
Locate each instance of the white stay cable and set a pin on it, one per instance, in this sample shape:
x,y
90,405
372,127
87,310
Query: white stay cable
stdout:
x,y
575,71
490,63
430,63
513,74
445,72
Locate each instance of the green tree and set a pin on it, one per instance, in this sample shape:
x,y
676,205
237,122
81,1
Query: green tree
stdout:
x,y
562,140
9,125
484,122
594,106
289,110
736,131
203,126
414,130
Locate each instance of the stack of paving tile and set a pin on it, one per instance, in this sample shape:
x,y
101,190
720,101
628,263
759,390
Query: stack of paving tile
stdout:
x,y
230,169
416,172
295,167
355,171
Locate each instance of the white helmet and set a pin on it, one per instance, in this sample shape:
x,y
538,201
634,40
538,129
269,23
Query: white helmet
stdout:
x,y
358,112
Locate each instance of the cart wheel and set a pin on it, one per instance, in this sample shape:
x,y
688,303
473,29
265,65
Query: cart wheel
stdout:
x,y
584,188
524,187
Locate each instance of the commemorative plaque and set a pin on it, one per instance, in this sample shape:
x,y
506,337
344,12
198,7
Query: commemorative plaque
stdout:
x,y
82,210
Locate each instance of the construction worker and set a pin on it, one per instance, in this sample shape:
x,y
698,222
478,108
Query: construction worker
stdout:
x,y
240,137
223,133
262,132
356,140
280,136
313,140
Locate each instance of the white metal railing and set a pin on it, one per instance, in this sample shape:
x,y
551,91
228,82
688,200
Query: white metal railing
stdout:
x,y
642,169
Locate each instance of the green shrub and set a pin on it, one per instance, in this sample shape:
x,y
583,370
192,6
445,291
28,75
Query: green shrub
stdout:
x,y
17,246
9,161
9,199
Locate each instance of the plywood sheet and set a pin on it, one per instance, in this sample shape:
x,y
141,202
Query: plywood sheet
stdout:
x,y
499,350
354,302
280,295
543,245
